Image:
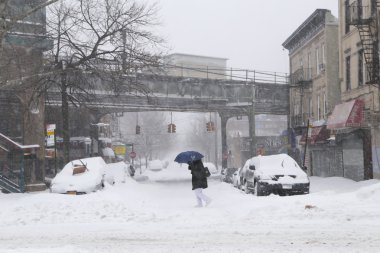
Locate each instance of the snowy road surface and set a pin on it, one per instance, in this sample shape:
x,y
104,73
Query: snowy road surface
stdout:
x,y
160,217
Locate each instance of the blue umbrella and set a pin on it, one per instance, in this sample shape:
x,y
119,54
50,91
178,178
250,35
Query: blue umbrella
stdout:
x,y
188,156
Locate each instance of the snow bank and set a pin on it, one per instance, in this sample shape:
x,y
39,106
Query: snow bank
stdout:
x,y
343,216
173,172
117,171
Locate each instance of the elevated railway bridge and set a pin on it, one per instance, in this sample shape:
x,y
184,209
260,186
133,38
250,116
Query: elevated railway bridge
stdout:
x,y
236,93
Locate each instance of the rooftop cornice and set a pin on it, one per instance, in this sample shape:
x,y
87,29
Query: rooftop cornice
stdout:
x,y
310,27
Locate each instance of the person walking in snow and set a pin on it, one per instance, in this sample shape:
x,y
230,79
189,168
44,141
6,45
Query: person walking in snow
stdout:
x,y
199,182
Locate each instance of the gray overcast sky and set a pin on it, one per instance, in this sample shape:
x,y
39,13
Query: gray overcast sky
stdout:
x,y
247,32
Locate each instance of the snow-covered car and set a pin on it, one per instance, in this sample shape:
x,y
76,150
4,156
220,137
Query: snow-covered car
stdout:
x,y
226,175
279,174
211,167
155,165
81,176
236,178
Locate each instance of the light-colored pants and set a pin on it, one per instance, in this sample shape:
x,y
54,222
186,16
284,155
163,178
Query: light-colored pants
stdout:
x,y
200,196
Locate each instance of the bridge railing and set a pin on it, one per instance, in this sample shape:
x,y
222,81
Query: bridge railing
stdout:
x,y
203,72
226,73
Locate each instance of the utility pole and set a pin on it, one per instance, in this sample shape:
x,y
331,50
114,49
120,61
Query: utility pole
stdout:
x,y
124,55
306,140
216,140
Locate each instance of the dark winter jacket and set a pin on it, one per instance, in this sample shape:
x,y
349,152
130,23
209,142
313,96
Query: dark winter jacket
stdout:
x,y
199,179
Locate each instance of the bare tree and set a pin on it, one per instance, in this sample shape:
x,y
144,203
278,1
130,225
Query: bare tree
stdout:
x,y
97,44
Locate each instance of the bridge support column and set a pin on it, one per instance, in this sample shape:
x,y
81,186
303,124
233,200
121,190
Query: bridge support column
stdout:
x,y
223,127
252,131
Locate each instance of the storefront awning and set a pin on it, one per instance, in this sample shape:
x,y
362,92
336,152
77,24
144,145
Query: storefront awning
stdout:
x,y
349,114
318,134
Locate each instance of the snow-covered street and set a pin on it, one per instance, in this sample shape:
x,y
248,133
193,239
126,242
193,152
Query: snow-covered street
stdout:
x,y
338,215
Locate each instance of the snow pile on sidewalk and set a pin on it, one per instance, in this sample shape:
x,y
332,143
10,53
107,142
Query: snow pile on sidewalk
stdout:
x,y
339,215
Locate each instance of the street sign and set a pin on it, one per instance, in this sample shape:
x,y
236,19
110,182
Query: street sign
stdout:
x,y
50,132
120,149
132,154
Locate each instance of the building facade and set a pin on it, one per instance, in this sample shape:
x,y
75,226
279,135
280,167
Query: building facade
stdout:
x,y
21,110
314,79
355,122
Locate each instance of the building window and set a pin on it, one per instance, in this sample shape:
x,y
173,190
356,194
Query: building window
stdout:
x,y
348,73
360,9
347,15
309,65
324,105
310,108
323,56
361,68
319,107
317,60
373,7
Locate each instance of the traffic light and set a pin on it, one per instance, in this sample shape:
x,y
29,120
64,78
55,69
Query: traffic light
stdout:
x,y
138,129
171,128
210,126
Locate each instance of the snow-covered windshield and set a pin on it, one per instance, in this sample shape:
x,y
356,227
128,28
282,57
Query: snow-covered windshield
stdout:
x,y
281,164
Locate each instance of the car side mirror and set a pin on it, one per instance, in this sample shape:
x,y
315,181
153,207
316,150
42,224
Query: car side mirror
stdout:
x,y
252,167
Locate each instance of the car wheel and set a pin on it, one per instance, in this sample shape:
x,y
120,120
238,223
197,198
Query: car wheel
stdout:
x,y
241,184
246,190
257,190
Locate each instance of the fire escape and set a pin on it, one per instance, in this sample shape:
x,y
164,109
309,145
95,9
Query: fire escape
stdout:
x,y
301,81
365,19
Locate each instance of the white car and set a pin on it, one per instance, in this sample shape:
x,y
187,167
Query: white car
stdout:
x,y
280,174
81,176
155,165
211,167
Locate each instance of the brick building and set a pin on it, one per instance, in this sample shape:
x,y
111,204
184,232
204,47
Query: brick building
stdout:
x,y
21,110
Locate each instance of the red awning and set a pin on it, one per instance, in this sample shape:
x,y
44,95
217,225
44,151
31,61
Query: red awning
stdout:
x,y
349,114
318,134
